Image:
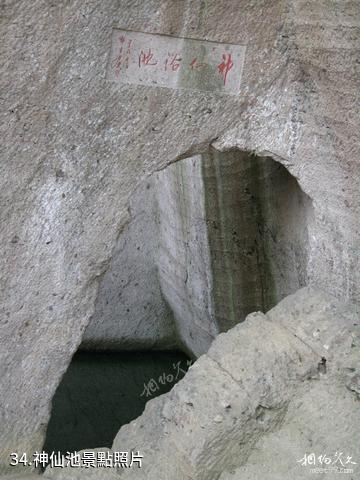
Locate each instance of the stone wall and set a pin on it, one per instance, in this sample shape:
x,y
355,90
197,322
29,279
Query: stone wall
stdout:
x,y
270,390
130,310
211,239
75,146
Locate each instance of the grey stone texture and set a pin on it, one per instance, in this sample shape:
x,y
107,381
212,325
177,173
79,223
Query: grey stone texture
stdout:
x,y
270,390
75,146
130,309
211,239
235,238
181,63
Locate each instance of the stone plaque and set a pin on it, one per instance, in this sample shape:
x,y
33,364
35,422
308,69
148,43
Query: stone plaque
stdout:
x,y
181,63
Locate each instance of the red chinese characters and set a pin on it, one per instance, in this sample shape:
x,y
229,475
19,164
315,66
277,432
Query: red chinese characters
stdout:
x,y
172,62
147,58
225,66
196,65
123,56
144,59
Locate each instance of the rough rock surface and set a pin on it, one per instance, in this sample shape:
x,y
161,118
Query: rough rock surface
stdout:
x,y
270,390
236,234
211,239
322,420
130,309
75,146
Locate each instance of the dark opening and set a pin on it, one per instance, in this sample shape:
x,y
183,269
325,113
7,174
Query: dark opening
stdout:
x,y
211,239
101,391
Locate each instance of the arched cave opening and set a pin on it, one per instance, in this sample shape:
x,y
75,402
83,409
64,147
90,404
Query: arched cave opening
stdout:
x,y
211,239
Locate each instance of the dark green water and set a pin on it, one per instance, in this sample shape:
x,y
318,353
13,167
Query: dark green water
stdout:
x,y
101,391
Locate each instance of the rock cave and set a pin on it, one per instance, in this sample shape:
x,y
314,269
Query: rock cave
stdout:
x,y
211,239
179,183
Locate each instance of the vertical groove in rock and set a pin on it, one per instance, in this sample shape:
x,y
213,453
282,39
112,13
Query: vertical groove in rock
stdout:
x,y
257,219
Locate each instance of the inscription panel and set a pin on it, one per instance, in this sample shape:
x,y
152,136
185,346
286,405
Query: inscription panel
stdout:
x,y
180,63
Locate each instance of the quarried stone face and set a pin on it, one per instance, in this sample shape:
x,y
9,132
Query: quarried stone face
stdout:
x,y
76,145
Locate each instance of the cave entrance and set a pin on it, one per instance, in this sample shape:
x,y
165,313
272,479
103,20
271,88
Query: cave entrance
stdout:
x,y
211,239
101,391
